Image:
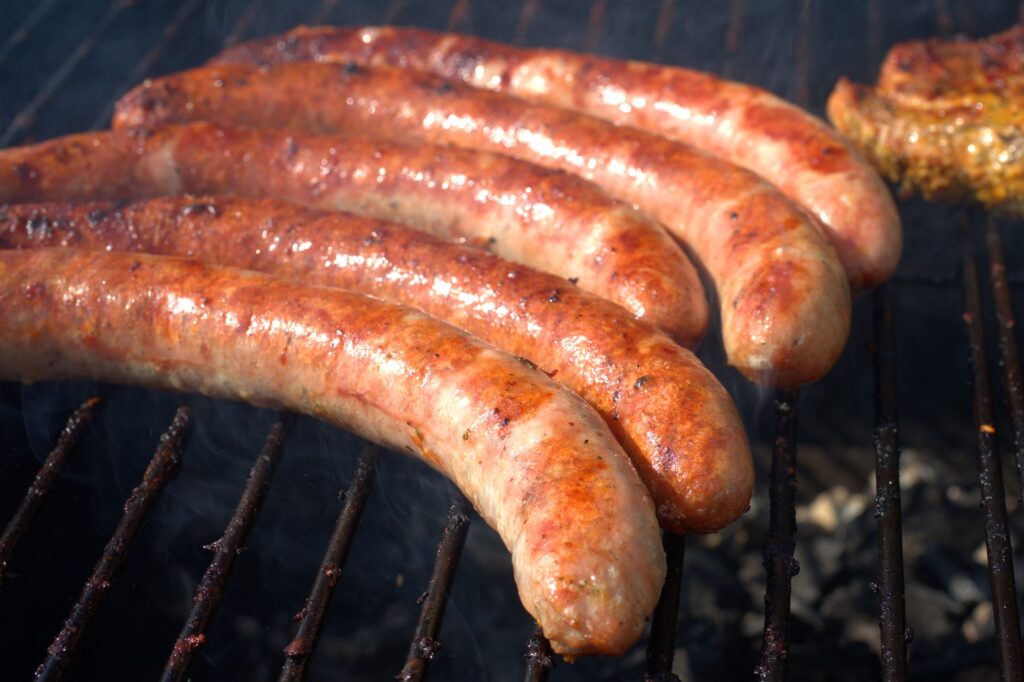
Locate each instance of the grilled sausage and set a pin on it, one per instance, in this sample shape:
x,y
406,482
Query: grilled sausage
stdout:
x,y
784,299
537,463
747,125
672,416
551,220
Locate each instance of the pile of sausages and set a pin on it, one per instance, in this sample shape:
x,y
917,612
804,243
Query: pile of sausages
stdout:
x,y
339,221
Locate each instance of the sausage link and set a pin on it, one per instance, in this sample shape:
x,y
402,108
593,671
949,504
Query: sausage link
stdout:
x,y
551,220
672,416
749,126
537,463
784,299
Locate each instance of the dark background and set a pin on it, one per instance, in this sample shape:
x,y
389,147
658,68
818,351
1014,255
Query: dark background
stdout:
x,y
77,57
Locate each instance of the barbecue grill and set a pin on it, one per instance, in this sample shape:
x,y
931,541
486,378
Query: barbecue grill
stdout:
x,y
63,63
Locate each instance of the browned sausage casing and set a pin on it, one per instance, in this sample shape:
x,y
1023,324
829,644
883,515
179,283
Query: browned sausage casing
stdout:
x,y
672,416
784,299
537,462
554,221
747,125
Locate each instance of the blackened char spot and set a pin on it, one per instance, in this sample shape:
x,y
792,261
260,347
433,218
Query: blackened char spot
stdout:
x,y
351,68
442,88
196,208
290,148
38,227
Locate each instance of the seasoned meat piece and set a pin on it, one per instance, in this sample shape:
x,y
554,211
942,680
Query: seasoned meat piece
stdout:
x,y
945,120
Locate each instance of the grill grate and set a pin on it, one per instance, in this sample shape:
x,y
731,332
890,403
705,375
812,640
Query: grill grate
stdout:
x,y
162,468
43,483
780,564
895,635
990,476
226,549
311,618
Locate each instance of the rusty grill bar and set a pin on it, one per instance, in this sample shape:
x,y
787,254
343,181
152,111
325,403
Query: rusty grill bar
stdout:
x,y
661,648
895,635
311,618
162,468
1008,350
779,560
226,550
16,130
44,480
990,476
425,642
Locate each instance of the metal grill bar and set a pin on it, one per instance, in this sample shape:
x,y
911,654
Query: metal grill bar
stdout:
x,y
211,588
424,640
243,22
300,650
803,54
892,622
44,480
944,23
661,648
395,8
27,115
1008,348
595,24
663,25
540,660
990,476
734,36
161,469
324,12
779,563
144,65
526,15
19,34
457,17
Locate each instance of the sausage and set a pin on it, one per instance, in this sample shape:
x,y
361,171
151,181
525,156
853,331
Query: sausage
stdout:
x,y
749,126
675,420
551,220
537,463
784,299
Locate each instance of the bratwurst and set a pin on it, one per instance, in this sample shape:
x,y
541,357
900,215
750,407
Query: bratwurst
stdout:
x,y
784,298
744,124
536,461
673,418
551,220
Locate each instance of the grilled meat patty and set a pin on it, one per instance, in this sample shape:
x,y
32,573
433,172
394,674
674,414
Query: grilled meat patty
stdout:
x,y
945,119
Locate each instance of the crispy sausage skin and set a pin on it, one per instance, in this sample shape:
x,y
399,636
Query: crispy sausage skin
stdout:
x,y
784,299
551,220
538,464
670,413
747,125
